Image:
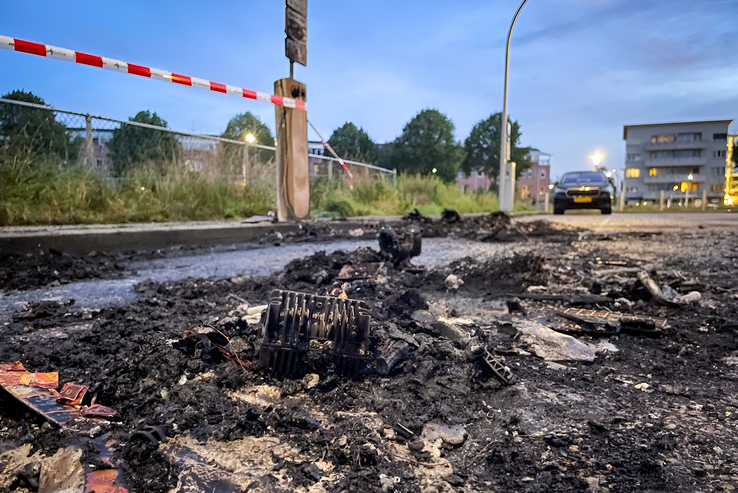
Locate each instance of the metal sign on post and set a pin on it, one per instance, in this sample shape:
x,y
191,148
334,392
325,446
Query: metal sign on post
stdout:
x,y
295,27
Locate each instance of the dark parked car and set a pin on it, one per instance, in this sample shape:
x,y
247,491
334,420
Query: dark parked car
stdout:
x,y
583,190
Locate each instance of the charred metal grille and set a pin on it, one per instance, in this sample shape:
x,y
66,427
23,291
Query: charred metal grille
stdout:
x,y
294,320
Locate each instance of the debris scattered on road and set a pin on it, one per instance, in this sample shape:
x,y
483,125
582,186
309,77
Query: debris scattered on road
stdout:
x,y
297,323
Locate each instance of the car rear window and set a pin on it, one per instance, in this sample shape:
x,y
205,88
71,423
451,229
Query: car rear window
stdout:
x,y
583,178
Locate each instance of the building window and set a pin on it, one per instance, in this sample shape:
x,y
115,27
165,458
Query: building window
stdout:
x,y
632,157
631,189
651,171
632,172
718,171
719,136
675,154
688,137
662,139
716,187
688,185
99,163
543,174
718,153
541,192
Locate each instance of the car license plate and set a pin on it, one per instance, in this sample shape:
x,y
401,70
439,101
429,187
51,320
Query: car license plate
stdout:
x,y
582,200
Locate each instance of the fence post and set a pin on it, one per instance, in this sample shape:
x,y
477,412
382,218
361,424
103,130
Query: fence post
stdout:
x,y
89,150
621,198
704,199
394,178
246,163
330,170
545,205
661,200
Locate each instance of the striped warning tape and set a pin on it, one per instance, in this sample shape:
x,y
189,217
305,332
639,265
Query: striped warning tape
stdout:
x,y
39,49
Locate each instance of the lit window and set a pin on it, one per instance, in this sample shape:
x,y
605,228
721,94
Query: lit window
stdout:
x,y
716,187
718,153
632,172
688,186
651,171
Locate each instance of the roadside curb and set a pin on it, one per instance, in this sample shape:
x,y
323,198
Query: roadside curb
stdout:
x,y
117,238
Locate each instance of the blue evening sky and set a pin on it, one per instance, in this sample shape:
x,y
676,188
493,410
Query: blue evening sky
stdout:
x,y
579,69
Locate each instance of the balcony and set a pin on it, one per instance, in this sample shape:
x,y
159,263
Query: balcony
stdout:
x,y
675,162
676,146
672,178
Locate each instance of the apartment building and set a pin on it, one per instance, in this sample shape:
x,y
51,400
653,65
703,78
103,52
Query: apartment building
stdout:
x,y
533,182
680,159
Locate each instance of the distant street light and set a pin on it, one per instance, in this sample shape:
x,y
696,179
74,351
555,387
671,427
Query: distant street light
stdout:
x,y
596,158
434,170
506,180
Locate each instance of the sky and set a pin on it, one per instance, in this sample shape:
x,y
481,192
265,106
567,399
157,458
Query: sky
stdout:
x,y
579,69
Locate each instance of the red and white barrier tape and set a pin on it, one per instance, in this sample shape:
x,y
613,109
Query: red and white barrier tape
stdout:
x,y
154,73
328,146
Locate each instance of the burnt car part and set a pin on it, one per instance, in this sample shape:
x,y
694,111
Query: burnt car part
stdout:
x,y
298,322
491,363
612,322
401,245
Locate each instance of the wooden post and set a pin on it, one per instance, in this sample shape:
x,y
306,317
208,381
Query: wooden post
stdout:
x,y
704,199
661,200
293,180
545,205
621,197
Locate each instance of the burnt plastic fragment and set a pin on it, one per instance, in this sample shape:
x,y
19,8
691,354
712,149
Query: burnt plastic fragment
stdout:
x,y
295,320
401,245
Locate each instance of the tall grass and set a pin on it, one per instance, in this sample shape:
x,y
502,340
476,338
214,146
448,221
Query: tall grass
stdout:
x,y
42,190
37,190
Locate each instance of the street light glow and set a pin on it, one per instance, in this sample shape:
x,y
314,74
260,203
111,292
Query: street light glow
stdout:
x,y
249,137
434,170
690,176
596,158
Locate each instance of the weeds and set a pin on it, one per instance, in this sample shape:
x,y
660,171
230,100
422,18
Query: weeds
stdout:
x,y
43,190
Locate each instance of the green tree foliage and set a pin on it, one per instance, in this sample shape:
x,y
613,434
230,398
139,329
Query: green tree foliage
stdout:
x,y
35,130
353,143
131,145
483,147
237,129
427,142
246,123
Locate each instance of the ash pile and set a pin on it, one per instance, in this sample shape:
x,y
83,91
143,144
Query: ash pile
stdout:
x,y
555,367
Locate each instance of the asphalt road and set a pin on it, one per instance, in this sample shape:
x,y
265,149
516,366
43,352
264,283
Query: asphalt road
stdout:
x,y
220,263
656,222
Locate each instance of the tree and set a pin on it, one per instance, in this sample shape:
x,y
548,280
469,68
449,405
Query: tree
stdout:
x,y
353,143
132,145
427,143
34,129
237,129
246,123
483,148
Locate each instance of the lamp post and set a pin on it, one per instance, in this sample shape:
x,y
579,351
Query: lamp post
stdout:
x,y
250,139
690,177
507,169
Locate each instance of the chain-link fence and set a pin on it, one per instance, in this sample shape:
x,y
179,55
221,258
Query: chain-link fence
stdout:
x,y
112,148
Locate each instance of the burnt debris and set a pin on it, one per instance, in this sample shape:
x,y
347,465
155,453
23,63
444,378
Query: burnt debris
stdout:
x,y
297,323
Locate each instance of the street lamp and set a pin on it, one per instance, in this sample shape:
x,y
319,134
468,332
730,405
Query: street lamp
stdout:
x,y
690,177
507,169
596,158
249,137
